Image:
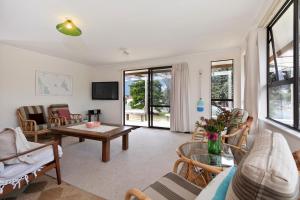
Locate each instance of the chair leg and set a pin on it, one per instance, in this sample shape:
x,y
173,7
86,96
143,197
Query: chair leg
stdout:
x,y
57,164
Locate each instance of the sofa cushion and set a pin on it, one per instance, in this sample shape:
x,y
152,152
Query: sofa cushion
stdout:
x,y
268,171
172,187
37,117
64,113
217,188
26,110
13,141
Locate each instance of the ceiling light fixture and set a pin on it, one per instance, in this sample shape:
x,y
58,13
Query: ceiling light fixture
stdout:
x,y
68,28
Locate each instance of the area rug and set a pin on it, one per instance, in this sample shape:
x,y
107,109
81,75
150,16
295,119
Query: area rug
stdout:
x,y
46,188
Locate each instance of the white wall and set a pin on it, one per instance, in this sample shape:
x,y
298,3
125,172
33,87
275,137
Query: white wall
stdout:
x,y
17,82
112,110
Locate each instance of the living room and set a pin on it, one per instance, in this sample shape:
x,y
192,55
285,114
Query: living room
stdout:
x,y
193,60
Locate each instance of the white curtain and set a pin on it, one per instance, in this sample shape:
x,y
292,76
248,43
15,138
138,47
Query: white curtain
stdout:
x,y
255,75
180,98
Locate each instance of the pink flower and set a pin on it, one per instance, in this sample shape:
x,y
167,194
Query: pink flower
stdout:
x,y
213,136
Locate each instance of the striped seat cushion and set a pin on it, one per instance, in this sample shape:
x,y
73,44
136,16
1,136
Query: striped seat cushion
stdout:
x,y
26,110
172,187
45,126
267,172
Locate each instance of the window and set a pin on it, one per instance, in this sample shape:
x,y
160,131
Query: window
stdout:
x,y
146,99
282,66
221,85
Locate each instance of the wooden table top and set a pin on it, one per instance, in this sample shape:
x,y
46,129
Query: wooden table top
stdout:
x,y
90,134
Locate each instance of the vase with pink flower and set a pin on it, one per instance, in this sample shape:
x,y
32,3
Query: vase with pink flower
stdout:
x,y
213,129
214,143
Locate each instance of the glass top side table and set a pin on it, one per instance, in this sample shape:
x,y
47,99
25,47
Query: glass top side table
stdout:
x,y
198,151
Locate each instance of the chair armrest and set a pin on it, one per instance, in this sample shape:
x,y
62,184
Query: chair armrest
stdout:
x,y
76,116
54,144
236,147
55,120
29,125
207,168
134,192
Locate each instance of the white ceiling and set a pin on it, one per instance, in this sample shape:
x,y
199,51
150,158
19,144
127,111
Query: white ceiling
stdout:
x,y
148,28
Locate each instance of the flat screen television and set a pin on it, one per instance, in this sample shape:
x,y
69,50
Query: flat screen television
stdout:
x,y
105,90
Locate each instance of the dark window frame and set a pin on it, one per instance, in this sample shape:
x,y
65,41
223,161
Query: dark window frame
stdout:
x,y
232,83
291,81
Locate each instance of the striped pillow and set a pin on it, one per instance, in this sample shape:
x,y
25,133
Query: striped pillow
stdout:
x,y
267,172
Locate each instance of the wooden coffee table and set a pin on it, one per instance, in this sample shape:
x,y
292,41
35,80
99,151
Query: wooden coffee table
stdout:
x,y
104,133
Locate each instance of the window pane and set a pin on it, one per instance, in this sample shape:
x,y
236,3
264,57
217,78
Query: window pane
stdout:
x,y
222,80
135,98
281,104
161,86
215,105
283,46
161,117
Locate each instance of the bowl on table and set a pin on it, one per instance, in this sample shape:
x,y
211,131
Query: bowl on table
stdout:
x,y
92,124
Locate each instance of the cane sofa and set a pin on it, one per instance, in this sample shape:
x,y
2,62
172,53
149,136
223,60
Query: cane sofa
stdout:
x,y
268,171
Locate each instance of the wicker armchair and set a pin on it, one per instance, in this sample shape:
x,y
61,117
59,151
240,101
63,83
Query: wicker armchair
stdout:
x,y
238,137
30,127
53,114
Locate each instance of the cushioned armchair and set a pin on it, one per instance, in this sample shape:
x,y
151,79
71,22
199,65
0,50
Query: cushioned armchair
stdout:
x,y
33,121
62,112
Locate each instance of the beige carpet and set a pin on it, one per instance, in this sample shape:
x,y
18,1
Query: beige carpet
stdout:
x,y
151,154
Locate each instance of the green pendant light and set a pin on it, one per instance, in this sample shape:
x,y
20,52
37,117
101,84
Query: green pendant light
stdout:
x,y
68,28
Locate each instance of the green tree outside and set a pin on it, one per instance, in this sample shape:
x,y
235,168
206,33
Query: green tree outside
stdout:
x,y
137,92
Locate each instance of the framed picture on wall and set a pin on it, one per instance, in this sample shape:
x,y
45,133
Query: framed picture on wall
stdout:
x,y
53,84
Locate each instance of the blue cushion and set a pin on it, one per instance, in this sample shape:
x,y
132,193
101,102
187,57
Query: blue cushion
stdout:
x,y
223,187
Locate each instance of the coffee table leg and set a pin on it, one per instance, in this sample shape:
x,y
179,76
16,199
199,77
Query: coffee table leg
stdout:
x,y
105,150
125,141
81,139
59,140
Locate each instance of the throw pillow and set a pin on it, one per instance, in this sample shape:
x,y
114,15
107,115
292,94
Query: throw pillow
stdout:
x,y
268,171
64,113
8,146
13,141
217,188
37,117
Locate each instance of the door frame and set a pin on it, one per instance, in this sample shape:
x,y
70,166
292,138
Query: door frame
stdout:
x,y
150,111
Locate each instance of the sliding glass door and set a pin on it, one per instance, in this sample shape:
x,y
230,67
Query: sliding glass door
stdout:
x,y
159,99
146,99
135,98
